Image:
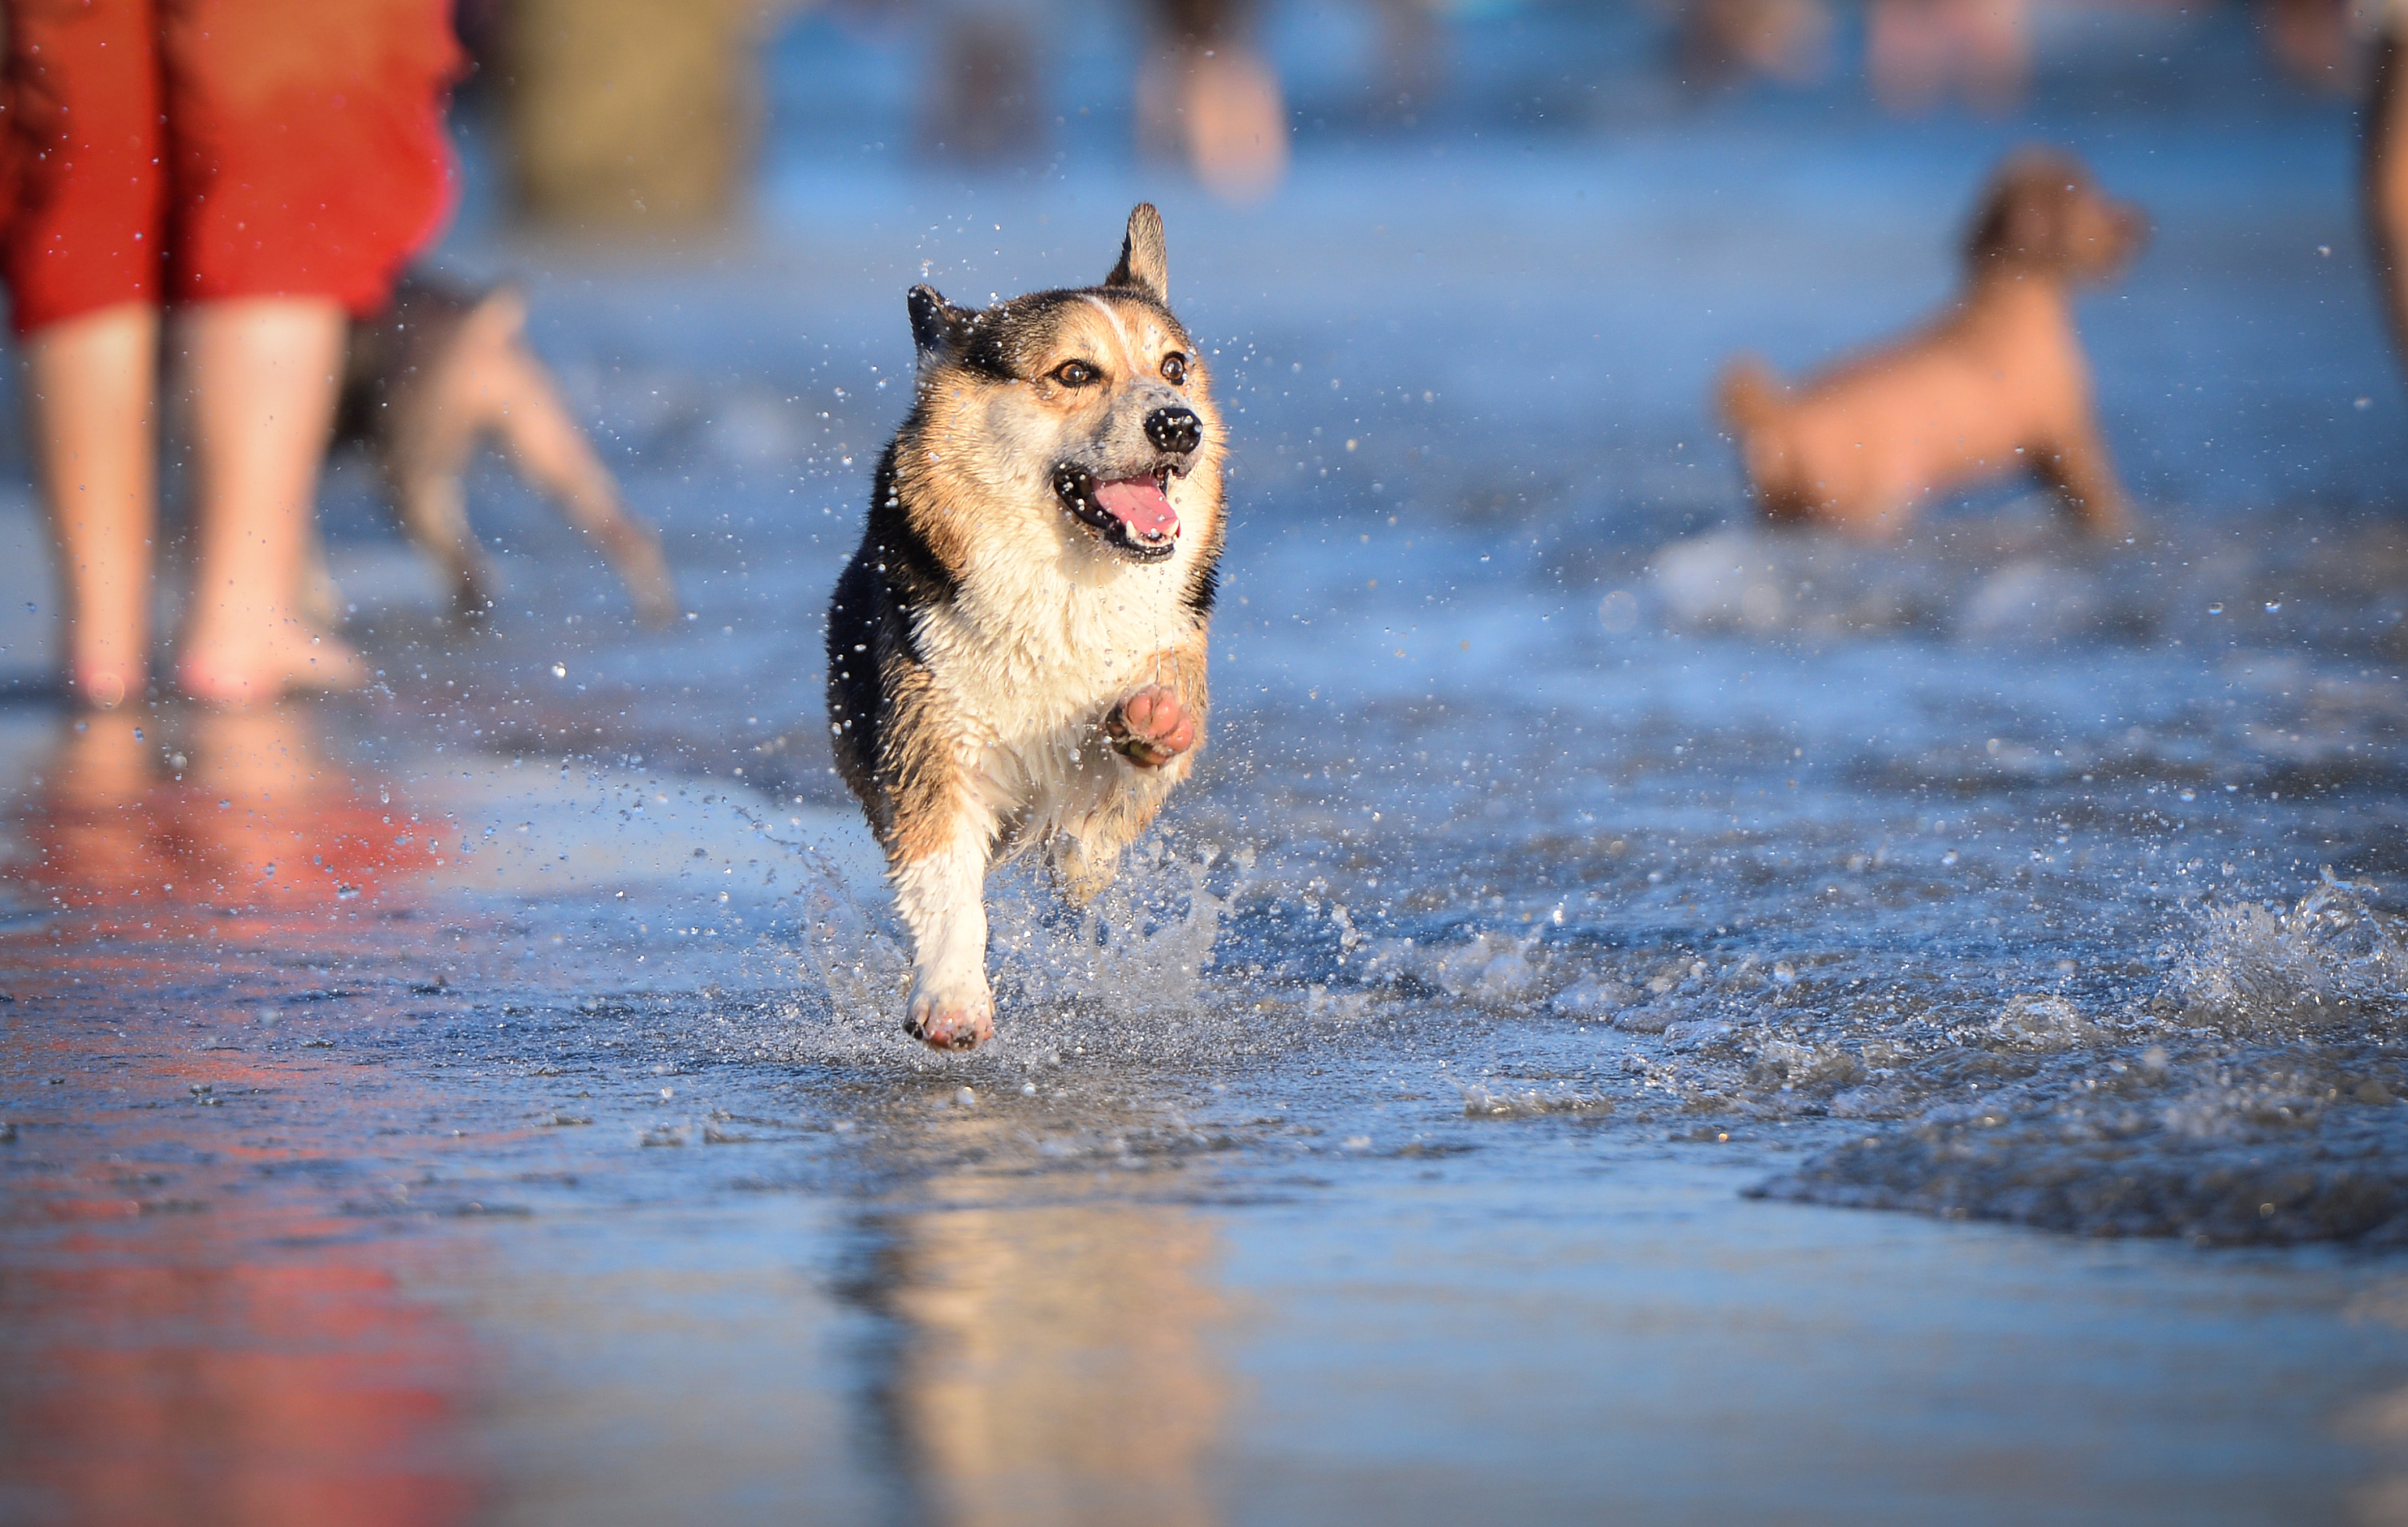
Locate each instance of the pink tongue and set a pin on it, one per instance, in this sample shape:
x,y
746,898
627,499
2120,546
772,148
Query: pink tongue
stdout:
x,y
1138,503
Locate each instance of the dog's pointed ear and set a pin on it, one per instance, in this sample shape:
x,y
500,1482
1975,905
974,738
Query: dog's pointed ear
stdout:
x,y
1145,264
937,325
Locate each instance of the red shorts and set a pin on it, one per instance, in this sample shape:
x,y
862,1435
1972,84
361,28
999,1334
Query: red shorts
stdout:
x,y
191,150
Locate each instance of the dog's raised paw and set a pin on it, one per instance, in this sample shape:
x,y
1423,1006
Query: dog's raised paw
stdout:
x,y
1151,728
952,1023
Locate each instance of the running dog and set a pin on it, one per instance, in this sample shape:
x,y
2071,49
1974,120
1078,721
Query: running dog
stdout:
x,y
424,386
1016,651
1996,383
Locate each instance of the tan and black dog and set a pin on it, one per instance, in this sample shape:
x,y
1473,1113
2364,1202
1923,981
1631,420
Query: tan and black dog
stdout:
x,y
424,386
1016,651
1997,383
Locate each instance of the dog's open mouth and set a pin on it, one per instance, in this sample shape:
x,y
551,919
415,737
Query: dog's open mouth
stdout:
x,y
1132,513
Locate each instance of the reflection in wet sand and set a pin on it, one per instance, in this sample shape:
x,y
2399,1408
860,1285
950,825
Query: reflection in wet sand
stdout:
x,y
233,810
196,1378
183,1337
1055,1366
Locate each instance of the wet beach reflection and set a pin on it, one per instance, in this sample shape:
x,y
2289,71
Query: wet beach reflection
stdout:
x,y
1054,1358
239,813
199,1377
189,1330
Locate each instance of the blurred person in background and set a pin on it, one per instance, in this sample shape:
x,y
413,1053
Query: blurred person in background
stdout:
x,y
1921,53
2385,168
629,117
1726,42
1207,95
2314,42
265,167
984,101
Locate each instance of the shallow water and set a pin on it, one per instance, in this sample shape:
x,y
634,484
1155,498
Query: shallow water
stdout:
x,y
485,1097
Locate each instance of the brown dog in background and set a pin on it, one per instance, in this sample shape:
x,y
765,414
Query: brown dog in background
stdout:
x,y
441,371
1997,383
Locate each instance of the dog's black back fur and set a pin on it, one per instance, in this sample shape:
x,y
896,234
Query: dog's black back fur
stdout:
x,y
893,573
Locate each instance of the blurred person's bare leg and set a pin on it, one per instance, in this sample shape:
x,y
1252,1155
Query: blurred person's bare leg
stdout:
x,y
1231,115
1725,42
986,93
1237,123
1993,38
2310,40
1906,54
92,389
2386,186
1412,58
262,373
1921,52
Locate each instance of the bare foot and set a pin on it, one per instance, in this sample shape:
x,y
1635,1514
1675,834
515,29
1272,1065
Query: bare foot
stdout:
x,y
289,659
951,1021
1151,728
105,686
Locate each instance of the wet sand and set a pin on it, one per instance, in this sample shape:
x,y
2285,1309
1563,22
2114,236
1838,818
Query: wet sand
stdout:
x,y
482,1100
431,1197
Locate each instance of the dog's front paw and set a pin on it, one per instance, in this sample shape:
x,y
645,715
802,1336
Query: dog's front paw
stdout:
x,y
1151,728
951,1018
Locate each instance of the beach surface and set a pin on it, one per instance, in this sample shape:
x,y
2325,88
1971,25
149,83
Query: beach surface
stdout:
x,y
1635,1018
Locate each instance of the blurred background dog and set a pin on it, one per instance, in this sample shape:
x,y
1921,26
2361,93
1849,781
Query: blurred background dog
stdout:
x,y
1997,384
444,370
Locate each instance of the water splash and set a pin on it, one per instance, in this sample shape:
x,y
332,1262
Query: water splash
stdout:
x,y
856,959
2020,577
2329,960
1132,970
1495,971
1481,1102
1139,950
2254,1098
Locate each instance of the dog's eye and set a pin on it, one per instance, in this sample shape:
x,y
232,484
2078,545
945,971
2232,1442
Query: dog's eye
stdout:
x,y
1174,369
1075,373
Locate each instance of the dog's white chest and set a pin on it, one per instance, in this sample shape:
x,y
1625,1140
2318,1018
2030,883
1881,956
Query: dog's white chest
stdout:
x,y
1027,656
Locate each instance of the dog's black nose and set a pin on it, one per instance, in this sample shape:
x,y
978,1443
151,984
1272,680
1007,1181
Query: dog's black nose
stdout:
x,y
1177,430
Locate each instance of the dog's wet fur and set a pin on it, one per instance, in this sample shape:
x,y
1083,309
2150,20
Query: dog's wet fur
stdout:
x,y
443,370
1016,653
1995,384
